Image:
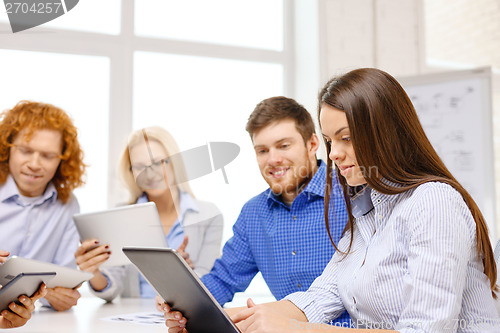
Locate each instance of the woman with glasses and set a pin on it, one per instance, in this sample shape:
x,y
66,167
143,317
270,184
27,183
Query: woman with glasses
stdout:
x,y
150,168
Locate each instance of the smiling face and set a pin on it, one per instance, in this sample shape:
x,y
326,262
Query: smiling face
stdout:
x,y
34,163
285,161
147,163
336,132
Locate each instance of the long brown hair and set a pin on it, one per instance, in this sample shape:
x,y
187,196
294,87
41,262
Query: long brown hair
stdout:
x,y
386,133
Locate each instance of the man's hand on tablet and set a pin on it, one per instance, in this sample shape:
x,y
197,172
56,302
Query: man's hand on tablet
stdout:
x,y
175,321
18,315
61,298
3,256
182,251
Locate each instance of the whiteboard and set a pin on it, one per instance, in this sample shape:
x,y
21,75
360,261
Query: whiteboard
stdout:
x,y
455,110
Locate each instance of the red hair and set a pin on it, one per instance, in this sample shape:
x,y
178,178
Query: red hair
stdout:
x,y
32,116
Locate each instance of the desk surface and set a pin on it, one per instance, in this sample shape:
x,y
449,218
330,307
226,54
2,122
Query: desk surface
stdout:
x,y
86,317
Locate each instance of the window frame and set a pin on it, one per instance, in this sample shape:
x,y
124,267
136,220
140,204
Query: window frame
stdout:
x,y
120,50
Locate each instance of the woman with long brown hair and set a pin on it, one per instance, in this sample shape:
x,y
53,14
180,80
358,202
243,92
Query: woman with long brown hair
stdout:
x,y
415,256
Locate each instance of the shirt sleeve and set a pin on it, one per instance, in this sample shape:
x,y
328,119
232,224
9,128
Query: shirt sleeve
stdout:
x,y
321,303
236,268
115,276
442,243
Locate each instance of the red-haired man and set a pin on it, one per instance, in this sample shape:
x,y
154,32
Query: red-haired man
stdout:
x,y
40,164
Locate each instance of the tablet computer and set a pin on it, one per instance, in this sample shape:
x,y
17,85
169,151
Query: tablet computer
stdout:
x,y
23,284
172,278
66,277
132,225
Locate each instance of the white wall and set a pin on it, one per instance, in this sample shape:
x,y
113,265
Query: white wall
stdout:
x,y
386,34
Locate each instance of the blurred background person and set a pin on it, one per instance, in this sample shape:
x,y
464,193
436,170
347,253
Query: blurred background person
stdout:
x,y
191,226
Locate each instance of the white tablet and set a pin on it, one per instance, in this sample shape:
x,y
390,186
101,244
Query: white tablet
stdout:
x,y
132,225
23,284
172,278
65,276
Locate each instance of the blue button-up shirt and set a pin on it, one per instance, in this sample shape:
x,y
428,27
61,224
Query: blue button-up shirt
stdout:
x,y
40,228
289,245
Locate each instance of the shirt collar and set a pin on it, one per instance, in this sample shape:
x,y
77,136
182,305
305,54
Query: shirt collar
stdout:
x,y
361,202
187,203
364,200
9,191
316,186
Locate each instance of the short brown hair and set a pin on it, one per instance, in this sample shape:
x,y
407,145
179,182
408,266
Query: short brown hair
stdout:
x,y
34,116
279,108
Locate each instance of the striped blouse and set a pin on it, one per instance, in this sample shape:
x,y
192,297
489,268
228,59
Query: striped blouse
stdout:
x,y
413,267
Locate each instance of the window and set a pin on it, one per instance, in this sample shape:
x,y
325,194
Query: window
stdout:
x,y
201,100
80,86
188,66
257,23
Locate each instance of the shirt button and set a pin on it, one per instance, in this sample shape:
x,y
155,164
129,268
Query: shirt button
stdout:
x,y
295,217
294,252
299,285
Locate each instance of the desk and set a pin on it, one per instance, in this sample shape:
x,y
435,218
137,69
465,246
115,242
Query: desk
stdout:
x,y
86,316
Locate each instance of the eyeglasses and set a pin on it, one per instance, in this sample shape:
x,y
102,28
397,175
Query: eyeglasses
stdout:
x,y
27,152
155,166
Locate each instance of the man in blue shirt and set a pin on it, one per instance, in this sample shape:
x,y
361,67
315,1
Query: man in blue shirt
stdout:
x,y
40,165
281,232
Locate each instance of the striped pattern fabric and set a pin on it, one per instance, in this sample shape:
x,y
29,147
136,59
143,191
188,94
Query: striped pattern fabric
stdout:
x,y
497,252
413,267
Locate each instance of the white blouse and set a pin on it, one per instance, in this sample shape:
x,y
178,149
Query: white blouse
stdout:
x,y
413,267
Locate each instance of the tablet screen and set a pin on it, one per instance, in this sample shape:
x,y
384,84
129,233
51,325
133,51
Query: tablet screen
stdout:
x,y
131,225
180,287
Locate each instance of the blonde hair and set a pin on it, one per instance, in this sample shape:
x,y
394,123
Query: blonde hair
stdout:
x,y
163,137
